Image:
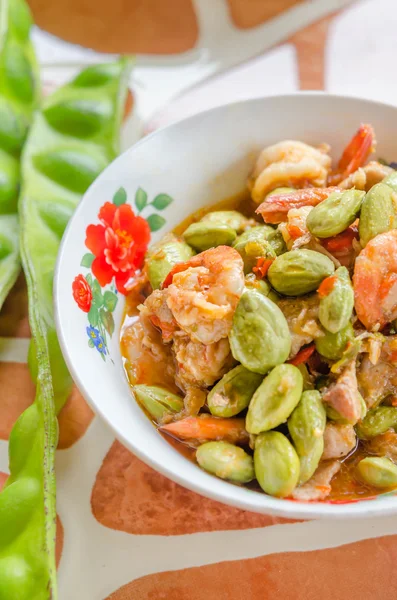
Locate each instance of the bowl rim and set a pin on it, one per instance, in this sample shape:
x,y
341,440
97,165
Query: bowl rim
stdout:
x,y
380,506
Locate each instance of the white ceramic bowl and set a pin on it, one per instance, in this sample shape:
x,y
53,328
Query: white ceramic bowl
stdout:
x,y
195,162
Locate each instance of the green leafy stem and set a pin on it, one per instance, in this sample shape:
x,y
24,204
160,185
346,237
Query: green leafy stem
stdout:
x,y
160,202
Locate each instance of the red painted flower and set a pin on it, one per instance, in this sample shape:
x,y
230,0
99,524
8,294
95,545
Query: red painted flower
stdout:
x,y
119,244
82,293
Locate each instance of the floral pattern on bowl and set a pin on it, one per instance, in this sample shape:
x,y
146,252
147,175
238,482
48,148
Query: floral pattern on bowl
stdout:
x,y
117,245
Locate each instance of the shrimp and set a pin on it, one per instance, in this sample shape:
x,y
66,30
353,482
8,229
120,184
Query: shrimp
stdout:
x,y
365,177
204,293
375,281
302,318
289,163
156,309
148,359
275,208
295,232
362,144
198,364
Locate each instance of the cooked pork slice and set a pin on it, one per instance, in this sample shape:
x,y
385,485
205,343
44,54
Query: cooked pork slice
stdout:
x,y
343,395
339,440
319,486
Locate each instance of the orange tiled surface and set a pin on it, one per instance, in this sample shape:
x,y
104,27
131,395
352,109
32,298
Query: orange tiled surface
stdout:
x,y
147,27
249,13
129,496
353,572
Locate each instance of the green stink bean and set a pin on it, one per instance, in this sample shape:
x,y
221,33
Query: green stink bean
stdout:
x,y
336,308
259,235
19,97
377,421
335,214
260,285
226,461
276,464
163,256
158,401
275,399
207,234
253,244
233,392
259,337
307,378
299,272
33,438
378,212
306,426
380,472
232,218
332,345
391,181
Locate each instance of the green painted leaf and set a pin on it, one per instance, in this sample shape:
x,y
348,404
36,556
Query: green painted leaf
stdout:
x,y
107,321
110,300
87,260
140,199
91,343
155,222
162,201
120,197
103,357
89,279
97,297
93,316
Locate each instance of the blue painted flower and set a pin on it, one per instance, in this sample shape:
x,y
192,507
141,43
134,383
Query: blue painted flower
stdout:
x,y
96,339
100,346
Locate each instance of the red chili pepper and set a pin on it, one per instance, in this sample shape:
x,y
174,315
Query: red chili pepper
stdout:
x,y
302,355
294,231
341,242
262,266
326,286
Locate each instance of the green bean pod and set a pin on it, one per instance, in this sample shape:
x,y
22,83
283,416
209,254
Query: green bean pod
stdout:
x,y
71,141
19,97
54,173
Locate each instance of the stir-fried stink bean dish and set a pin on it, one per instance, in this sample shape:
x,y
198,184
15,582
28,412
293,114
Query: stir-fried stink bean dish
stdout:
x,y
261,336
